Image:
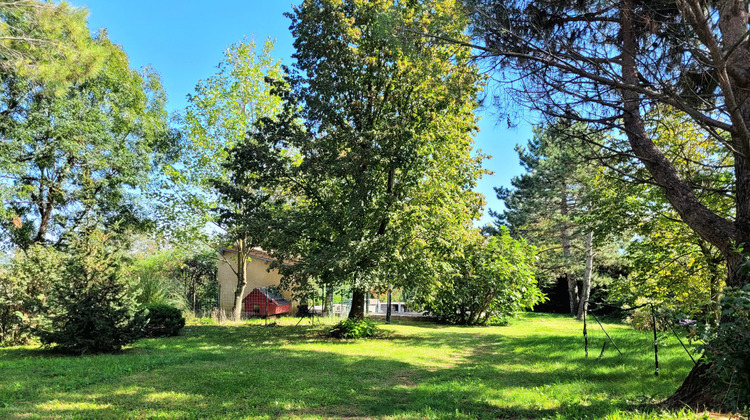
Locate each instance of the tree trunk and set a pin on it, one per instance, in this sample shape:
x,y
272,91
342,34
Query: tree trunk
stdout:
x,y
239,292
586,289
357,312
328,301
695,392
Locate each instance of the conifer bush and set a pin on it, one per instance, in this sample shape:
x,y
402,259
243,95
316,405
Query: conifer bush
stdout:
x,y
93,308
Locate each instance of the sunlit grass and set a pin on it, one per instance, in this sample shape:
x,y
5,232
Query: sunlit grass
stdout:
x,y
534,367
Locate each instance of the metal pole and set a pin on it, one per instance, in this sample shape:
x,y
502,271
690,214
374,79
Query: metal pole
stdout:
x,y
683,344
656,343
607,334
388,309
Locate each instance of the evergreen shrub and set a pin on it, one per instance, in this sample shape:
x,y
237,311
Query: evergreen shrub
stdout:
x,y
92,309
163,320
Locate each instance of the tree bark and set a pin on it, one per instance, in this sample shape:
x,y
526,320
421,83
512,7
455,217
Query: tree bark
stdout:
x,y
586,289
328,301
357,312
242,253
718,231
696,391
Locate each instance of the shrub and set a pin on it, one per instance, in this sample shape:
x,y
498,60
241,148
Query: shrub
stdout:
x,y
490,280
92,309
163,321
728,349
350,328
641,319
24,288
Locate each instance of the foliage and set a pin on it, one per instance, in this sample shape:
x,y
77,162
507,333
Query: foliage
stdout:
x,y
198,276
642,318
492,280
727,349
93,310
80,155
551,205
219,115
533,368
163,320
669,263
175,277
47,42
608,63
24,289
373,151
353,328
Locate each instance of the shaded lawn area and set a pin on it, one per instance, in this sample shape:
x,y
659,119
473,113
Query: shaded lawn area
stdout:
x,y
535,367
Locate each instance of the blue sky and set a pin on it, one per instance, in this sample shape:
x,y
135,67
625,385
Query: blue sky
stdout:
x,y
184,41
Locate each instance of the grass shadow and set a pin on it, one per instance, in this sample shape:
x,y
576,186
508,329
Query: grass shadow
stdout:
x,y
425,371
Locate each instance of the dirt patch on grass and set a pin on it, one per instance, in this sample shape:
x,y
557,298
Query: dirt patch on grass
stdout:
x,y
404,378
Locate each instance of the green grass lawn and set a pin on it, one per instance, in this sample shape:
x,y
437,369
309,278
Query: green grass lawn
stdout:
x,y
534,367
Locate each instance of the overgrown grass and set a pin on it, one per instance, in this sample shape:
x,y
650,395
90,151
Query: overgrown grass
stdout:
x,y
534,367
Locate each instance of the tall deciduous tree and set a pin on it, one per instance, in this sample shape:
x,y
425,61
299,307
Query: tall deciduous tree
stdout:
x,y
385,152
608,63
67,155
218,117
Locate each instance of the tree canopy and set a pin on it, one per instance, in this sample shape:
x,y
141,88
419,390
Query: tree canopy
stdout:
x,y
377,131
67,157
46,42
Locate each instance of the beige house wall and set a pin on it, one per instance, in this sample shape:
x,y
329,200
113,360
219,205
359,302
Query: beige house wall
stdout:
x,y
256,273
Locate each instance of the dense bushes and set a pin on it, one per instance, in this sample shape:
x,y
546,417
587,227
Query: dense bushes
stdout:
x,y
92,309
491,280
163,320
24,288
175,278
727,348
81,296
351,328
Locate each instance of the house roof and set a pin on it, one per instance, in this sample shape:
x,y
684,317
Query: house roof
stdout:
x,y
275,297
258,253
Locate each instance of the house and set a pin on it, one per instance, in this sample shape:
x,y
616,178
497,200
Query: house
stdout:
x,y
256,273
